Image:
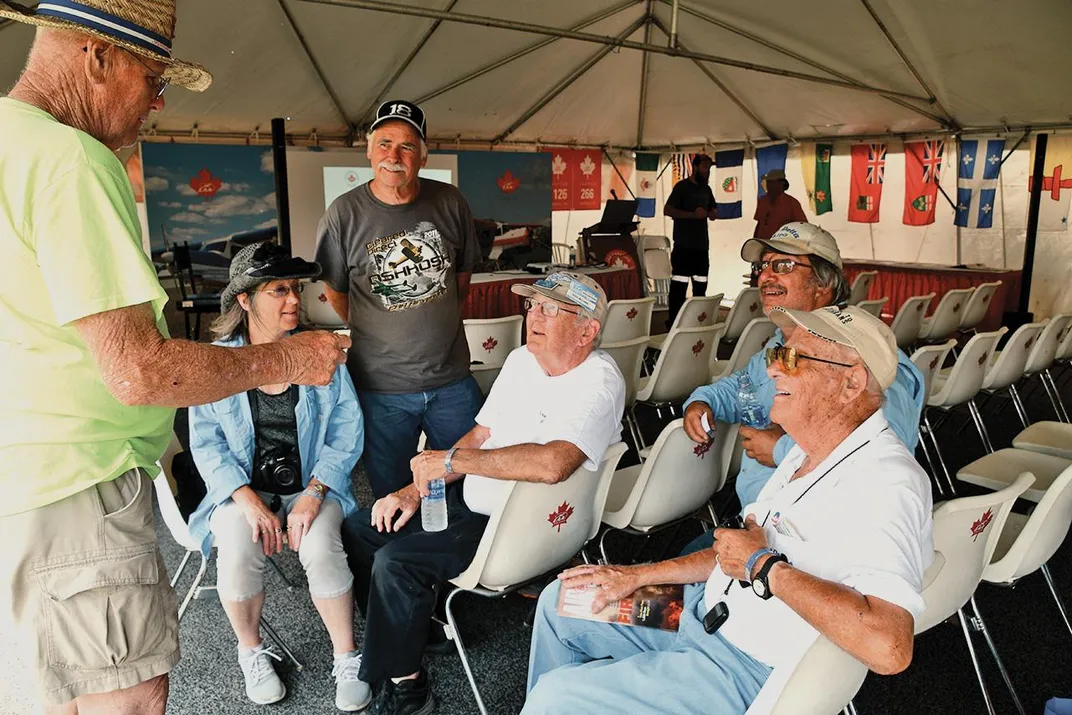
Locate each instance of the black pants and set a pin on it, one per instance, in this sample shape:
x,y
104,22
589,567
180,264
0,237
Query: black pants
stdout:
x,y
394,577
686,263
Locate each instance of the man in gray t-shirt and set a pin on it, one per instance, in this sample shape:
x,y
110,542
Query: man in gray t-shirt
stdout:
x,y
397,254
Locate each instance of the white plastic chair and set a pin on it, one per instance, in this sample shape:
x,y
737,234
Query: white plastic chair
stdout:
x,y
538,528
1009,363
746,307
978,304
861,286
930,359
678,477
627,319
959,385
681,368
697,312
874,307
945,321
1061,353
491,340
316,310
966,533
908,322
180,532
560,254
752,340
657,267
1047,437
994,471
628,356
822,682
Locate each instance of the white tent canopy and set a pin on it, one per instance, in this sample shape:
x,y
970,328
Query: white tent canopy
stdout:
x,y
988,64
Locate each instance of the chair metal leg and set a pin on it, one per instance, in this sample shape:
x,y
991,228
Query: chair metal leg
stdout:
x,y
938,453
194,587
452,632
636,423
1058,403
1056,596
930,462
279,642
850,709
182,567
602,547
714,514
1019,405
980,426
975,661
980,625
287,581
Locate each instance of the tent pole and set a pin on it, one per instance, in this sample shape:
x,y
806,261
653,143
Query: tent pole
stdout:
x,y
312,60
403,67
644,64
800,58
485,21
911,68
673,23
1033,204
282,198
570,79
721,85
528,50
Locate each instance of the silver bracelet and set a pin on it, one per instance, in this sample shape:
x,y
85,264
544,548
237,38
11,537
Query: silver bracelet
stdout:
x,y
448,458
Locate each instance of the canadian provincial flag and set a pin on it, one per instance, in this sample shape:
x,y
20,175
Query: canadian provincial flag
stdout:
x,y
647,166
727,182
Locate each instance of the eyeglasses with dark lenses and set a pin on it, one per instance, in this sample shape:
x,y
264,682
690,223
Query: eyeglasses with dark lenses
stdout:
x,y
790,358
282,291
548,308
781,266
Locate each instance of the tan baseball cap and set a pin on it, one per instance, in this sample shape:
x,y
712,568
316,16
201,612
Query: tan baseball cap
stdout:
x,y
852,327
795,239
569,287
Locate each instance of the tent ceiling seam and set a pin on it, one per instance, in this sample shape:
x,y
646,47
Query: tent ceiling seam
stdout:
x,y
644,64
380,6
316,65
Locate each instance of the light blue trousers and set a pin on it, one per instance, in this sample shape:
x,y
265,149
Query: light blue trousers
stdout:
x,y
580,666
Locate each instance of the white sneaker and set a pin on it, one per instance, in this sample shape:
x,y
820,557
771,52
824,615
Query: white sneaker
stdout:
x,y
351,693
263,686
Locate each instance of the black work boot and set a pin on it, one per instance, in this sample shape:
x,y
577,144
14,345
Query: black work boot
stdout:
x,y
409,697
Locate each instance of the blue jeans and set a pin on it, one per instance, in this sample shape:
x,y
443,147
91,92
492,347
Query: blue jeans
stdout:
x,y
609,668
393,423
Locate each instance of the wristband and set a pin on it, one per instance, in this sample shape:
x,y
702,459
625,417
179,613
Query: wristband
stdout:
x,y
315,491
751,563
448,458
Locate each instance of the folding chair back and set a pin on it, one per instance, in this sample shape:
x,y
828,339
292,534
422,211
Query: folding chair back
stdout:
x,y
930,359
1042,355
699,312
560,253
745,308
861,286
164,485
317,310
627,319
978,304
946,317
908,322
491,340
965,379
682,365
757,334
823,682
874,307
628,356
1009,363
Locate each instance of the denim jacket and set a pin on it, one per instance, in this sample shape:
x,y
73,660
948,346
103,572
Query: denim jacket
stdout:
x,y
902,405
331,437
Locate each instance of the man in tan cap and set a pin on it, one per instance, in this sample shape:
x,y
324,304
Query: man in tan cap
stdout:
x,y
855,578
90,378
556,406
775,208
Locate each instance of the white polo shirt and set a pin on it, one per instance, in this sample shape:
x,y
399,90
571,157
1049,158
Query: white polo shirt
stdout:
x,y
527,406
861,518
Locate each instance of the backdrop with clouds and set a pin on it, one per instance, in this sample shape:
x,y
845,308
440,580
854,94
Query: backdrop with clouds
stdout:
x,y
201,192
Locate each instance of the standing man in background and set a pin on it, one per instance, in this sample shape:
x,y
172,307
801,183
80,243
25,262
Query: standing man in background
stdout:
x,y
90,376
691,205
397,254
776,208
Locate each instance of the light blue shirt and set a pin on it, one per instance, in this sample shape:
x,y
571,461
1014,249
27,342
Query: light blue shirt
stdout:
x,y
331,437
902,405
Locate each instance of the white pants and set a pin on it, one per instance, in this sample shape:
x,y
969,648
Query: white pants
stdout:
x,y
240,561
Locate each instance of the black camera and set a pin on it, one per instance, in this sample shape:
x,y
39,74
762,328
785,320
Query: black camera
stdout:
x,y
732,522
280,472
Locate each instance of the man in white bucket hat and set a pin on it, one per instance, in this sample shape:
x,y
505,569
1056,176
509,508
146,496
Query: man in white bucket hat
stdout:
x,y
90,378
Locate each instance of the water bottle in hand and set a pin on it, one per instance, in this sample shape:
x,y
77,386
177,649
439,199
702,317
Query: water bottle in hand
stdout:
x,y
753,413
434,506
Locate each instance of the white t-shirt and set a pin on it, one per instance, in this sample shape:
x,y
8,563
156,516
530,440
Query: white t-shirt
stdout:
x,y
862,518
526,406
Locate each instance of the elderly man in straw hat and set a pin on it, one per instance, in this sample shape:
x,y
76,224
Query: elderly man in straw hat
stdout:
x,y
836,544
90,376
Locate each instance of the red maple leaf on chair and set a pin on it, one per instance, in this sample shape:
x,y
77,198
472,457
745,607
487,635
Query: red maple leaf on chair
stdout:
x,y
979,526
490,344
697,347
631,314
561,515
703,316
702,449
323,298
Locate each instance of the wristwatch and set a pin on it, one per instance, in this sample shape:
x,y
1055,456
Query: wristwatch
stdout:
x,y
760,586
317,491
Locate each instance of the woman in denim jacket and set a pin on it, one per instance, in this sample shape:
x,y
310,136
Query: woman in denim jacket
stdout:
x,y
277,462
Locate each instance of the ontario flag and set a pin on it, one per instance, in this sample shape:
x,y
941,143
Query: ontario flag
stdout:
x,y
865,184
923,166
727,182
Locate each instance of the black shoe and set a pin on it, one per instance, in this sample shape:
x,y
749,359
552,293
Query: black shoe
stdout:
x,y
438,643
409,697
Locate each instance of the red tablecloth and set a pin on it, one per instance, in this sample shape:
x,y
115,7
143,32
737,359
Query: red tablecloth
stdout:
x,y
493,299
900,281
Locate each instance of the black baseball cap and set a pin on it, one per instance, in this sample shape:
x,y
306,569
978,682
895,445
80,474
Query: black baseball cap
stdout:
x,y
404,111
697,159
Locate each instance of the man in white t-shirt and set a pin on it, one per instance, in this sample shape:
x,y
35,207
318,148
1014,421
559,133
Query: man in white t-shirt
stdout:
x,y
555,407
836,543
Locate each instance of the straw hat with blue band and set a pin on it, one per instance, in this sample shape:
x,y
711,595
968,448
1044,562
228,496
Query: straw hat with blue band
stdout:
x,y
144,27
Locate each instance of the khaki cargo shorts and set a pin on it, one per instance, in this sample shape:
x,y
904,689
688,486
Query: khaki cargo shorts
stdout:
x,y
88,587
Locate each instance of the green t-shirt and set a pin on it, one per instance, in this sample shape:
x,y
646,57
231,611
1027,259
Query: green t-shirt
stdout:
x,y
70,246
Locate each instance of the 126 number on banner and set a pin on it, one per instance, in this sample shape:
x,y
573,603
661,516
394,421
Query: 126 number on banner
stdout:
x,y
562,194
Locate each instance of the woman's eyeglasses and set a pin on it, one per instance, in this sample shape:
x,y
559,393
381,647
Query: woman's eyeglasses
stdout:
x,y
781,266
789,358
548,308
282,291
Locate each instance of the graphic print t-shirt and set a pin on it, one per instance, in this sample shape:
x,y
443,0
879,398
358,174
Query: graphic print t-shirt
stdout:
x,y
399,266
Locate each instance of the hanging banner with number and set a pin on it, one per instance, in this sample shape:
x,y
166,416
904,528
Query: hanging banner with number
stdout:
x,y
576,179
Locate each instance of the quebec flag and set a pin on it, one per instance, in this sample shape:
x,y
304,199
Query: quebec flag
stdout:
x,y
727,181
977,181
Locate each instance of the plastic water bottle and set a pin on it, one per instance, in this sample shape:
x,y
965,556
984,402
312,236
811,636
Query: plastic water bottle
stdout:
x,y
434,506
753,414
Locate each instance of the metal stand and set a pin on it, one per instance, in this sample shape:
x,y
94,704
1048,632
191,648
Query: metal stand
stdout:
x,y
979,625
1056,596
938,451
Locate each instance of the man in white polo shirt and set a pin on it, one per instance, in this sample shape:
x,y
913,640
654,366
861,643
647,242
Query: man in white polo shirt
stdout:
x,y
555,407
836,543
